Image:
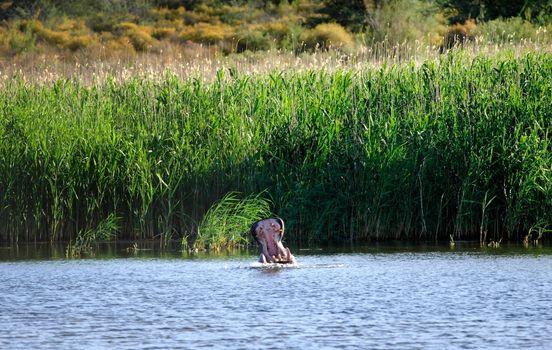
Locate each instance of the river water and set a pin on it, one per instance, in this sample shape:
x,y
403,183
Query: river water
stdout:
x,y
363,298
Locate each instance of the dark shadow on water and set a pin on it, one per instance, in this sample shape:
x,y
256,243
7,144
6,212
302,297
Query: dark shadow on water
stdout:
x,y
115,250
152,249
397,247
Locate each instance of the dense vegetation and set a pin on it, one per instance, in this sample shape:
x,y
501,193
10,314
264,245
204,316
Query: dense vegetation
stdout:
x,y
119,27
456,145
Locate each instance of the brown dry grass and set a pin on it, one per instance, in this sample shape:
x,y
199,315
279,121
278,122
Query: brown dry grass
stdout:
x,y
96,64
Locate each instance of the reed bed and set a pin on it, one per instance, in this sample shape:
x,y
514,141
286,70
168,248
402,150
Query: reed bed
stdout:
x,y
227,223
95,67
458,144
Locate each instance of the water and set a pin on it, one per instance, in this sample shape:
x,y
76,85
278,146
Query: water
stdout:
x,y
375,298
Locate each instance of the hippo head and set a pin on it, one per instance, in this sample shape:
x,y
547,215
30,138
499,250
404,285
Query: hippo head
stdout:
x,y
268,233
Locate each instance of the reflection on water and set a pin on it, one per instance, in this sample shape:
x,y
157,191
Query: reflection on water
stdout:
x,y
152,249
375,297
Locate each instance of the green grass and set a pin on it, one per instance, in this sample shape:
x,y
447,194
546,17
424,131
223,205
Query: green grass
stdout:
x,y
226,224
87,238
457,145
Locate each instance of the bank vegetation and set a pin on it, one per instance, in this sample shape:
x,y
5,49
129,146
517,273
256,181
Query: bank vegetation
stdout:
x,y
457,144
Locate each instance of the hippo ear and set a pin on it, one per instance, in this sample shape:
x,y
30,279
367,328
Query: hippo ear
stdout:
x,y
254,231
281,223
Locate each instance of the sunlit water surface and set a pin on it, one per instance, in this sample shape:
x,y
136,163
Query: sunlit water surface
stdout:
x,y
373,299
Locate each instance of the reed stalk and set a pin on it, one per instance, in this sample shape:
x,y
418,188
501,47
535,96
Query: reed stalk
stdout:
x,y
455,144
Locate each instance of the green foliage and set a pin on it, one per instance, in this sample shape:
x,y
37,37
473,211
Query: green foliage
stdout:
x,y
453,145
207,33
327,35
404,21
460,11
103,22
226,224
20,40
174,4
253,41
514,30
122,27
45,9
352,14
138,37
86,239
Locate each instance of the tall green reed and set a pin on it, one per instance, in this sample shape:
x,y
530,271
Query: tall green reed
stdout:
x,y
226,224
84,242
455,145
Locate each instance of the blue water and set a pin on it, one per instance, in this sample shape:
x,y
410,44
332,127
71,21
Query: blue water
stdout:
x,y
407,299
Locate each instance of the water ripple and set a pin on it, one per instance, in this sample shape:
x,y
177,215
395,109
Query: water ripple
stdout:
x,y
344,301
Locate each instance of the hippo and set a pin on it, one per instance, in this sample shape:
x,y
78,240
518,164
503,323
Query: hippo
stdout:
x,y
268,233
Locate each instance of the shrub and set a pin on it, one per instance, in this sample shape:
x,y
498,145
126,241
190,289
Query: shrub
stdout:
x,y
207,33
168,14
396,22
141,41
68,34
163,32
122,43
59,39
515,29
327,35
253,41
277,29
75,27
18,40
100,22
195,17
138,36
65,24
459,34
80,42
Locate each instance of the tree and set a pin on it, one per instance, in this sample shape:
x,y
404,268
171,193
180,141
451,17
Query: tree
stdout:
x,y
459,11
44,8
21,8
173,4
349,13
